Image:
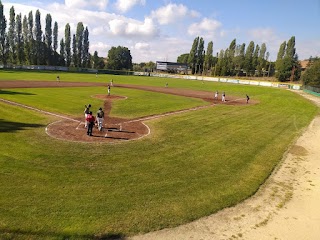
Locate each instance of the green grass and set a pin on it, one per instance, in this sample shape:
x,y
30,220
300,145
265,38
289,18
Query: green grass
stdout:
x,y
71,101
193,164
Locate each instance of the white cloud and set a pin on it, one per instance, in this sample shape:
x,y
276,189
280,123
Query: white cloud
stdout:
x,y
125,5
142,46
263,34
171,13
137,29
165,49
101,4
307,48
267,36
101,48
206,27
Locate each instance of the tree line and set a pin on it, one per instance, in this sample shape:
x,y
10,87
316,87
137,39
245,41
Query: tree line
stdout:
x,y
239,60
22,41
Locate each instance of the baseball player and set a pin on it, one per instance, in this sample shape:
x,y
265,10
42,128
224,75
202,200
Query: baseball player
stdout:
x,y
90,119
109,89
100,118
86,112
216,95
223,97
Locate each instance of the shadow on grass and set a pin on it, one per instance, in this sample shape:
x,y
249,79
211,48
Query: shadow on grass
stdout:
x,y
6,126
14,93
18,233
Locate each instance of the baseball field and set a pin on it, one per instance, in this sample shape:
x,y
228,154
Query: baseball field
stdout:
x,y
167,155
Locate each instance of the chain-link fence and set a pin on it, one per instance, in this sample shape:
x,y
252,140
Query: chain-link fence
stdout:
x,y
312,89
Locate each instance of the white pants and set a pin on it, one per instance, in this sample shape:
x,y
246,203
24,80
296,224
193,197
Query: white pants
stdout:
x,y
100,123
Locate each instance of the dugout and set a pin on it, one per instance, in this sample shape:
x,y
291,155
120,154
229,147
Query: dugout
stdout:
x,y
172,67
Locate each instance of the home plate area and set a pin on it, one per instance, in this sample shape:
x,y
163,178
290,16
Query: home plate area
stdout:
x,y
113,131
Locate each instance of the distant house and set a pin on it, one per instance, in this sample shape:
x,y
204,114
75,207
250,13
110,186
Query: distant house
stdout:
x,y
172,67
304,64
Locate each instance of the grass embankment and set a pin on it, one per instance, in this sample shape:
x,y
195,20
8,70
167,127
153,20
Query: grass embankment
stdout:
x,y
192,165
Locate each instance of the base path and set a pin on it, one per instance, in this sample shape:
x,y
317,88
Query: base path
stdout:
x,y
286,207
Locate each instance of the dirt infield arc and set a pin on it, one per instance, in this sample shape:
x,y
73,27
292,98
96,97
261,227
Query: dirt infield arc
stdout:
x,y
115,129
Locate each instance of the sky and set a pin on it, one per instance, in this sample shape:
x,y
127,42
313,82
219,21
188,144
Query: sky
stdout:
x,y
161,30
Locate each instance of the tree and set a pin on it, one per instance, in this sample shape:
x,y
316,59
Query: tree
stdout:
x,y
67,36
282,50
79,45
262,59
85,49
97,62
38,38
31,43
231,57
119,58
3,26
287,65
248,59
74,50
311,76
19,39
192,60
290,49
183,58
239,58
12,35
48,39
48,31
208,60
200,56
62,53
55,36
218,71
255,59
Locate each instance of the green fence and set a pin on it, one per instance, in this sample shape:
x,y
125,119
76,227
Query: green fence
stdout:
x,y
312,90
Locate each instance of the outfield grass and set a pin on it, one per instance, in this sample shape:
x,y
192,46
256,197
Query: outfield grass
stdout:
x,y
193,164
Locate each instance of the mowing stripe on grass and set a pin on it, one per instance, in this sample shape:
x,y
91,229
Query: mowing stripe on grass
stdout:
x,y
38,110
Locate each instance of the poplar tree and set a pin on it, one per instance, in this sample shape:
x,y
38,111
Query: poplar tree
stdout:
x,y
3,26
208,61
31,43
19,40
67,34
85,49
25,39
74,50
48,39
55,36
200,56
248,59
38,38
255,59
290,49
231,56
262,59
287,66
79,45
192,59
62,52
282,51
12,35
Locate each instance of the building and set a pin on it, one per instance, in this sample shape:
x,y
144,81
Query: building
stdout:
x,y
172,67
